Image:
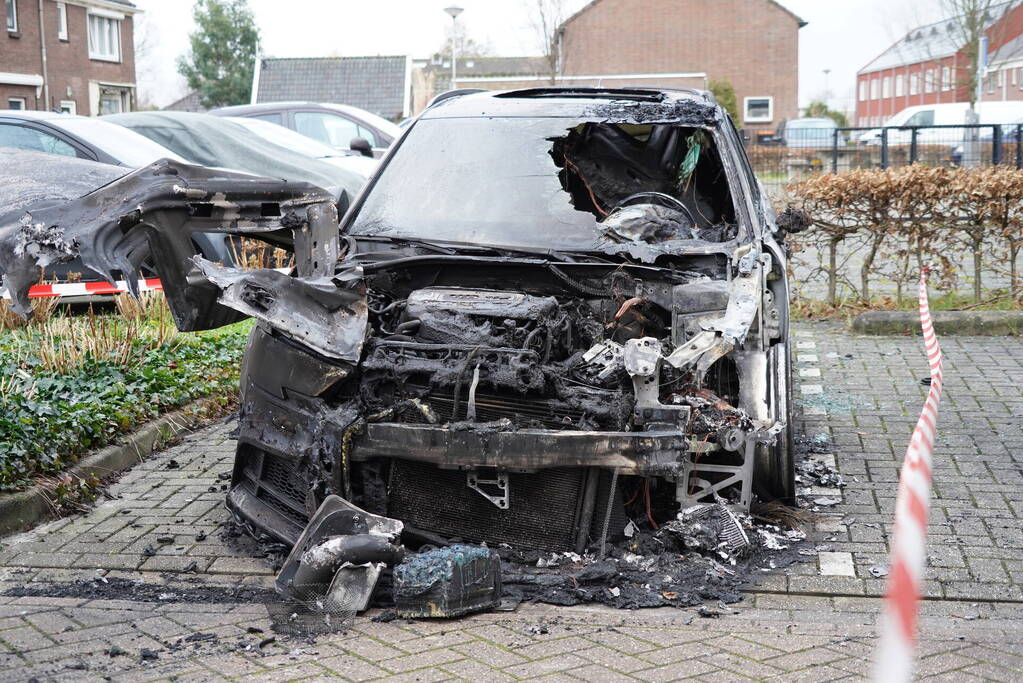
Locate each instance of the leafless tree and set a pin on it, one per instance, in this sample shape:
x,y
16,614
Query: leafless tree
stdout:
x,y
968,21
146,36
457,37
545,19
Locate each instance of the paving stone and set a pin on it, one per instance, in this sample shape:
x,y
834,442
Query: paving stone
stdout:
x,y
801,626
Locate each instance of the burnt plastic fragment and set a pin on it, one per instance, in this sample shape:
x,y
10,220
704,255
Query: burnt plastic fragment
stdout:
x,y
333,568
448,582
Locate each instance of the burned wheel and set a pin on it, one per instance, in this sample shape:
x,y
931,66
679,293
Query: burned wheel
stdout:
x,y
774,477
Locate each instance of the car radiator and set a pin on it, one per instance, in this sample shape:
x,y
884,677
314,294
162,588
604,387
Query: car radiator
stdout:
x,y
544,512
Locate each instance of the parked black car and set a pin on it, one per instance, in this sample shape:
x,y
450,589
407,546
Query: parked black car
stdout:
x,y
552,311
338,125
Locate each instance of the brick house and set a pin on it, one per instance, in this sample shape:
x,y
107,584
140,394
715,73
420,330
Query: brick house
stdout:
x,y
753,44
76,56
929,66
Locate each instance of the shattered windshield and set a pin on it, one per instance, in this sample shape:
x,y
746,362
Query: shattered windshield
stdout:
x,y
551,183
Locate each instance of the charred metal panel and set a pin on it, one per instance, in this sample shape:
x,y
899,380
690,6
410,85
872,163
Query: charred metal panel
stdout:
x,y
152,213
327,314
633,452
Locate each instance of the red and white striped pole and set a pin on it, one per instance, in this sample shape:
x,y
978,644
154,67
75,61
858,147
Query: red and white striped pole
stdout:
x,y
909,539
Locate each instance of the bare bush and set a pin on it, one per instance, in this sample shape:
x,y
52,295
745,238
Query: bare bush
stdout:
x,y
901,219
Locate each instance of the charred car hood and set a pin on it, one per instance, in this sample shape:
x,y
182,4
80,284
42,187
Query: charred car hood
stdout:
x,y
152,213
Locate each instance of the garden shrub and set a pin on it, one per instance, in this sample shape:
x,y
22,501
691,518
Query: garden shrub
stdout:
x,y
54,411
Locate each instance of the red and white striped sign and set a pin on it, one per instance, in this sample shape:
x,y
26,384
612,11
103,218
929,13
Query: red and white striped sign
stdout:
x,y
87,288
909,539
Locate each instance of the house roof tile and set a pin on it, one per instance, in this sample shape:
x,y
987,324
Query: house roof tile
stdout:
x,y
376,84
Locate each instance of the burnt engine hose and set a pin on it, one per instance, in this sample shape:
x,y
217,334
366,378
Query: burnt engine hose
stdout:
x,y
320,563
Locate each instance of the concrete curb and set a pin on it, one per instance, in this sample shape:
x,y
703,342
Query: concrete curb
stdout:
x,y
23,509
986,323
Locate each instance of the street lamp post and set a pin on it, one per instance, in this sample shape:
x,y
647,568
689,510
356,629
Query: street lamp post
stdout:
x,y
454,11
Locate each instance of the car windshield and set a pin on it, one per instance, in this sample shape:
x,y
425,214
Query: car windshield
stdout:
x,y
127,146
550,183
285,137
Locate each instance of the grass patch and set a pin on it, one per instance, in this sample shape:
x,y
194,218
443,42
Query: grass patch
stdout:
x,y
813,309
72,383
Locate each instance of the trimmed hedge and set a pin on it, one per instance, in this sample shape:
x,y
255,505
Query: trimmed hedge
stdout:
x,y
901,219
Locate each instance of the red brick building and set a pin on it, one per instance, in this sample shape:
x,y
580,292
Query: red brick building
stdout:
x,y
929,66
76,56
754,44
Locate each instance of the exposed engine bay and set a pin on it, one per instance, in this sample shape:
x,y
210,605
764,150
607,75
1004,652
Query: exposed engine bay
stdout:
x,y
499,396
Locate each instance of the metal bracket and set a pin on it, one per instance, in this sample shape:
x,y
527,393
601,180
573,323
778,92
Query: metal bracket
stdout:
x,y
691,489
497,490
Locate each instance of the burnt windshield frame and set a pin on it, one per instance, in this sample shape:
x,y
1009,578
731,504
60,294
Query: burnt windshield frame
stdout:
x,y
725,149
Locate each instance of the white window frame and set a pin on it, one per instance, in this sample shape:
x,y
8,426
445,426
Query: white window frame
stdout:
x,y
758,119
929,81
70,105
946,78
61,21
12,23
1020,77
900,85
914,83
22,100
875,88
863,91
886,87
115,38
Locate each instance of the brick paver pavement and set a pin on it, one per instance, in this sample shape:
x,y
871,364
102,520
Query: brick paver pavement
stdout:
x,y
858,398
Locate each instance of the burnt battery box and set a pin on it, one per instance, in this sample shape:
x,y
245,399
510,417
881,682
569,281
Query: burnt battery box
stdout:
x,y
448,582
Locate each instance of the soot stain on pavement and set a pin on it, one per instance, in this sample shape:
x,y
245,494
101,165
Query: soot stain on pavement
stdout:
x,y
108,660
183,590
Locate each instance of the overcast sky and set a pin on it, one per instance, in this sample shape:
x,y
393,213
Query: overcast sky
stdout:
x,y
841,35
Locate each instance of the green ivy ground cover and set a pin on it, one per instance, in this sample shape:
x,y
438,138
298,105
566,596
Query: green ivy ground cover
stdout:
x,y
48,419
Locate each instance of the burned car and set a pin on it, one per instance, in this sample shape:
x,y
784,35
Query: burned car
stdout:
x,y
553,314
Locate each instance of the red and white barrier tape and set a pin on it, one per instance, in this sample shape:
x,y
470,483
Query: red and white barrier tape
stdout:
x,y
87,288
909,538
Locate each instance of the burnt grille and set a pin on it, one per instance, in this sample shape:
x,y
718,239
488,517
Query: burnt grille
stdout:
x,y
543,515
276,482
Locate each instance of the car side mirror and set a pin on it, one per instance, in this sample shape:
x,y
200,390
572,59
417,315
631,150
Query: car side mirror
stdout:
x,y
361,145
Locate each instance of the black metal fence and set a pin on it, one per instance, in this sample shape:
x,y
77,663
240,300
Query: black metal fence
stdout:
x,y
794,154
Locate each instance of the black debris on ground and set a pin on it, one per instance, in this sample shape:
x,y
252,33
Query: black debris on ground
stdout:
x,y
682,564
817,473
